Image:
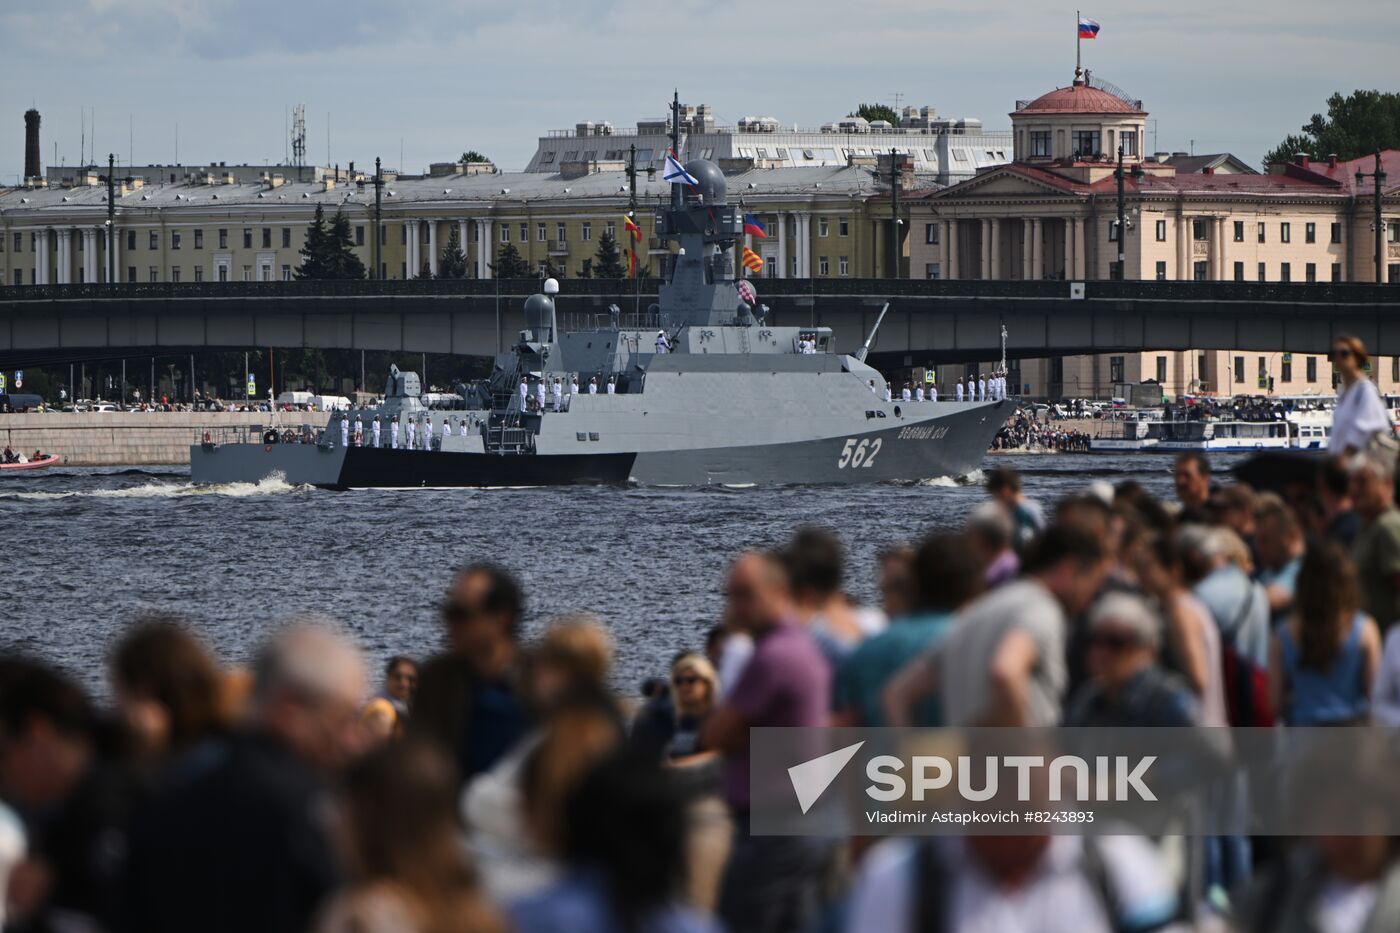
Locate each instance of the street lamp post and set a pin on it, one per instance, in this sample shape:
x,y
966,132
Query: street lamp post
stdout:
x,y
1121,224
111,219
1378,177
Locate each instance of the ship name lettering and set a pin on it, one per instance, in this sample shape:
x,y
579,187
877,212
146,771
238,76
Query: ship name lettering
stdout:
x,y
923,432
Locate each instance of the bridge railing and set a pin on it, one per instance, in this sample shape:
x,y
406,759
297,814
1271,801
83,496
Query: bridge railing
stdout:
x,y
621,290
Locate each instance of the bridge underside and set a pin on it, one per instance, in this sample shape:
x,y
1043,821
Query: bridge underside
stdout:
x,y
917,329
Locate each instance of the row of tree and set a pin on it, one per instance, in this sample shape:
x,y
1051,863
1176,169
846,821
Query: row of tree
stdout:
x,y
1354,126
329,253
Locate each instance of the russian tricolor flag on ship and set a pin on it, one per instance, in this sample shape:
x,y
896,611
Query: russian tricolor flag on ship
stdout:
x,y
1088,29
754,227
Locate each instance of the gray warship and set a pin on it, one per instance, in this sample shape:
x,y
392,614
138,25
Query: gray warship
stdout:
x,y
707,392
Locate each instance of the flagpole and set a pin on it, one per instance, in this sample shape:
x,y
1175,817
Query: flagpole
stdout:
x,y
1078,44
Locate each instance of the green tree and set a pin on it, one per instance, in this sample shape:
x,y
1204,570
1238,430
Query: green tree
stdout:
x,y
1355,125
329,250
608,264
509,264
873,112
471,155
551,271
453,264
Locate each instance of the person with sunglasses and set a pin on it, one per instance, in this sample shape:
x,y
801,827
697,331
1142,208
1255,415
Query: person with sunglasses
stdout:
x,y
1360,414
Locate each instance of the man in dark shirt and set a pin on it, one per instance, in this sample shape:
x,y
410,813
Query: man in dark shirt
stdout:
x,y
1128,688
237,839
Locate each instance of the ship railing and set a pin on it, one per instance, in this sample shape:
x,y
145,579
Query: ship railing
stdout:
x,y
216,436
510,440
603,320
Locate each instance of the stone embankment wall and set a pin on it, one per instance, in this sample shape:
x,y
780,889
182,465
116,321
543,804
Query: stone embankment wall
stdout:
x,y
135,438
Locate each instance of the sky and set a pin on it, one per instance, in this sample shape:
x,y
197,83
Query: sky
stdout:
x,y
422,81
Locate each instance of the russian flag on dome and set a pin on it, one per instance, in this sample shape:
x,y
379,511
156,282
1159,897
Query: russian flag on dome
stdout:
x,y
1088,28
675,172
753,226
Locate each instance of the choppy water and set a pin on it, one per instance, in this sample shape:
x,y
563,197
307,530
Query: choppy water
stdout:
x,y
86,549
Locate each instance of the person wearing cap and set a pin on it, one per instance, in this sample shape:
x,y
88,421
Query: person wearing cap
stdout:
x,y
446,430
524,392
919,392
558,395
873,390
932,392
462,427
906,393
573,385
344,430
612,385
889,393
374,432
971,388
662,344
410,431
593,385
981,390
539,393
958,391
1127,687
394,434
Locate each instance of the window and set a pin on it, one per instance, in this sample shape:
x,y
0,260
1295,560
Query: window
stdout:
x,y
1161,231
199,239
1336,271
1127,139
1310,233
174,239
223,273
19,243
1310,272
1161,270
223,238
247,237
359,234
1200,270
1285,232
525,233
505,233
770,268
1392,231
541,232
559,233
174,273
932,271
931,233
154,240
1239,231
1239,369
1393,273
1040,144
587,232
1286,368
1395,369
1336,233
1115,369
130,241
1086,143
286,237
1285,272
822,226
1200,229
1261,231
267,238
823,267
610,229
1262,275
1263,371
286,273
1239,272
843,226
199,273
1201,369
844,265
154,273
131,273
1311,369
425,231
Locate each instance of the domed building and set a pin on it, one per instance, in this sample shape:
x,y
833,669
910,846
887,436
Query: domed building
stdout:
x,y
1051,213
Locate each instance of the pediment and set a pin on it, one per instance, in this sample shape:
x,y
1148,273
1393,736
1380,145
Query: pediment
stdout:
x,y
1003,183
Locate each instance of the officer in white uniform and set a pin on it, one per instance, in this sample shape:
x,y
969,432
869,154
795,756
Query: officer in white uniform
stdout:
x,y
558,395
932,392
873,390
889,393
612,385
919,392
524,393
958,390
394,434
374,431
981,390
344,430
408,431
462,428
593,385
573,385
662,344
446,430
905,393
539,394
971,389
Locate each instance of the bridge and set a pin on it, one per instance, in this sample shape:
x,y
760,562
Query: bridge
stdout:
x,y
928,322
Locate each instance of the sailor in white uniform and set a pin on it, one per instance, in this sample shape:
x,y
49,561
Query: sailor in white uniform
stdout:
x,y
446,430
394,434
408,431
612,385
462,428
932,392
919,392
873,390
889,393
662,344
539,394
981,390
905,393
558,395
374,431
593,385
524,393
573,386
971,389
344,430
958,391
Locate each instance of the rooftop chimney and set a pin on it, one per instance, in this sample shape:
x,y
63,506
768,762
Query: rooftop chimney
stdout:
x,y
1301,159
32,168
1331,160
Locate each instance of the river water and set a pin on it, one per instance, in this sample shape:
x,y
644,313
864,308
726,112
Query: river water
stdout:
x,y
87,549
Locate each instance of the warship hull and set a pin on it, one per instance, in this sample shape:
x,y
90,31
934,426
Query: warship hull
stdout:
x,y
944,444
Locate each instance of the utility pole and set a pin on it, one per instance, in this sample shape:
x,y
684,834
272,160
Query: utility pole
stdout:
x,y
894,213
379,219
1378,176
676,145
111,219
1121,224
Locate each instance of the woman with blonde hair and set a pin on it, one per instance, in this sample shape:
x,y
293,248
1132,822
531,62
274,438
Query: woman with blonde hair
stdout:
x,y
1360,414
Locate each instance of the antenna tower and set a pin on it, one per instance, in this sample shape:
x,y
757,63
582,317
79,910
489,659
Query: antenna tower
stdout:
x,y
299,137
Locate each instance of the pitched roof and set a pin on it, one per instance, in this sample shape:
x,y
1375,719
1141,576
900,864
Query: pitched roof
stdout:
x,y
1193,164
1344,171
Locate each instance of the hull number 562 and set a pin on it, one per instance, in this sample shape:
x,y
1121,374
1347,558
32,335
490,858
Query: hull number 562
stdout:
x,y
860,454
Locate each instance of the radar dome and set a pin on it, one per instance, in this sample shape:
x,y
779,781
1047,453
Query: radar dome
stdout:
x,y
551,286
710,182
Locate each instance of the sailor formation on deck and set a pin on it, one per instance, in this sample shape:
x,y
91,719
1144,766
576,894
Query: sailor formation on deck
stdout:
x,y
410,433
978,390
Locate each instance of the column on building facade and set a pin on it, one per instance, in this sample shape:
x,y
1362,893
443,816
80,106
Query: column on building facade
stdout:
x,y
65,255
1183,248
41,256
996,249
1218,249
1081,248
944,270
484,247
462,238
114,253
410,250
89,254
804,246
986,251
782,245
1071,248
952,233
1037,248
1025,248
432,247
